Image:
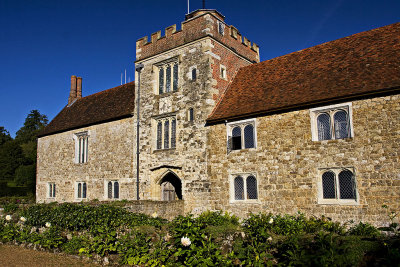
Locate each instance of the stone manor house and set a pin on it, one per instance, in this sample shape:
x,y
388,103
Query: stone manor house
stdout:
x,y
316,131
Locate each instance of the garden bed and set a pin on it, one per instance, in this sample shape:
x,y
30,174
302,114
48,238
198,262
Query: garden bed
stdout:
x,y
110,234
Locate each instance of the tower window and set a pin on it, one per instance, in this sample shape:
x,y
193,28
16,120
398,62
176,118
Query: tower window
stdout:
x,y
194,74
168,76
166,133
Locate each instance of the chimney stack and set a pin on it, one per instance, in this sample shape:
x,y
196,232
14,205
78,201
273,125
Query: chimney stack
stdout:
x,y
72,93
79,88
76,89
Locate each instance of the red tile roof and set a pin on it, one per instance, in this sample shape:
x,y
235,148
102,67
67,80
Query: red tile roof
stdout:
x,y
108,105
361,64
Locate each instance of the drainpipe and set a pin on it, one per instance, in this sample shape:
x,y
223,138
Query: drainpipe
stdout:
x,y
138,68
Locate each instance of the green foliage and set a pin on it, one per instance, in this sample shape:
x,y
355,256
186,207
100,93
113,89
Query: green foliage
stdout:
x,y
364,229
34,122
211,239
4,136
11,156
25,175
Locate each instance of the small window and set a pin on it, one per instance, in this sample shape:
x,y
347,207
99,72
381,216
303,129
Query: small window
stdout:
x,y
81,147
81,190
112,189
51,190
244,187
166,133
338,186
191,114
241,135
333,122
194,74
221,28
222,72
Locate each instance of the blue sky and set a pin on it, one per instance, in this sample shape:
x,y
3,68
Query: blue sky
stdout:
x,y
44,42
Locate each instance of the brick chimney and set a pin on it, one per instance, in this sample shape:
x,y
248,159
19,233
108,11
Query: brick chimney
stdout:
x,y
79,87
76,89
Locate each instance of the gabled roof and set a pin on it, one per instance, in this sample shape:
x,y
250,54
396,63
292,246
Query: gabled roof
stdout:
x,y
112,104
361,64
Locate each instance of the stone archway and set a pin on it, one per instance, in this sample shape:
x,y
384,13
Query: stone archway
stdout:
x,y
171,187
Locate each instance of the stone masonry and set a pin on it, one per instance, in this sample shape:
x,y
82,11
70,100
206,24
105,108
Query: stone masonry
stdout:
x,y
110,158
198,45
286,163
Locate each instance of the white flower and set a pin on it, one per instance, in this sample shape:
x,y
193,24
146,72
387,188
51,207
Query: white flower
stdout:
x,y
186,241
269,239
22,219
271,220
154,215
8,217
48,225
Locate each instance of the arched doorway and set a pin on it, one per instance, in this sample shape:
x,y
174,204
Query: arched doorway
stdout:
x,y
171,187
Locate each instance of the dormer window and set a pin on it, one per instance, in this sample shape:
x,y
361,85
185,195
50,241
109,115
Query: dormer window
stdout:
x,y
168,77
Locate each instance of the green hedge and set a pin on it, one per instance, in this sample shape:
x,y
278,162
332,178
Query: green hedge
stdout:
x,y
211,239
6,191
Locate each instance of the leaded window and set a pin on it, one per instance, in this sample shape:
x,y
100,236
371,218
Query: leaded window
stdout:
x,y
81,147
159,135
338,185
244,187
331,122
168,77
113,190
241,135
81,190
194,74
52,190
173,133
191,114
166,133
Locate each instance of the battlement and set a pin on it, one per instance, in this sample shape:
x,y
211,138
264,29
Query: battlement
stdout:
x,y
198,24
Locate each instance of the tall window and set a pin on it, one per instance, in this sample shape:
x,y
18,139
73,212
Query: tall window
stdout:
x,y
81,190
191,114
244,187
333,122
194,74
168,77
221,28
338,186
241,135
81,147
52,190
113,190
166,133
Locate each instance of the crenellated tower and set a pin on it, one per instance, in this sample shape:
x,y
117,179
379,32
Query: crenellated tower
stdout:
x,y
185,72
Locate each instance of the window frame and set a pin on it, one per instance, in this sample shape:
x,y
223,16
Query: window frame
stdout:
x,y
331,110
245,199
337,200
222,72
113,182
173,79
51,190
172,133
242,124
82,183
81,156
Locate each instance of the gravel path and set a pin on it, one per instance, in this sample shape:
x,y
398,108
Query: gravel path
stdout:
x,y
17,256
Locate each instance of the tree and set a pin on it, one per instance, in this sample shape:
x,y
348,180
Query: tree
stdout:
x,y
34,122
11,156
26,175
4,135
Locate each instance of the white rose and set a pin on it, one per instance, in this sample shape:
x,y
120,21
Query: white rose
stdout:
x,y
269,239
271,220
8,217
48,225
22,219
154,215
185,241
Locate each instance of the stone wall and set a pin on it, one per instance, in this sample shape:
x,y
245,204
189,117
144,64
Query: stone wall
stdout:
x,y
164,209
287,163
110,157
